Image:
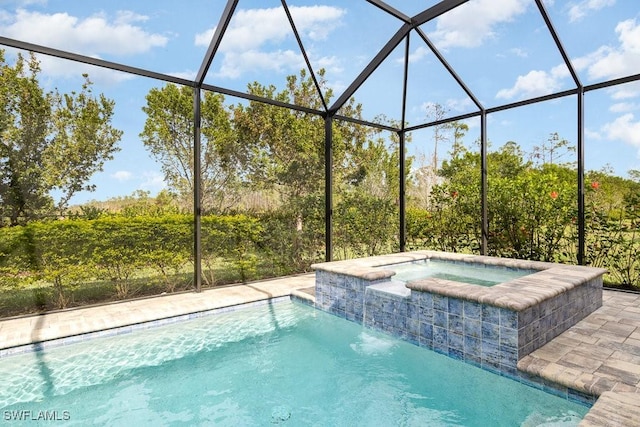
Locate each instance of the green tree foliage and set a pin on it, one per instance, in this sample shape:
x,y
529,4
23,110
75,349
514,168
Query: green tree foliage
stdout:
x,y
613,227
169,136
529,208
283,152
48,141
282,149
532,210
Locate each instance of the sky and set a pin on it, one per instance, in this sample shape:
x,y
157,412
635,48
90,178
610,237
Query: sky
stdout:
x,y
501,49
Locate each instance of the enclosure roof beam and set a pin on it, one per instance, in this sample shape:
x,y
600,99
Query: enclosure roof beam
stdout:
x,y
371,67
268,101
304,53
390,10
533,100
449,68
609,83
221,28
425,16
622,80
434,11
405,83
558,42
380,126
93,61
443,121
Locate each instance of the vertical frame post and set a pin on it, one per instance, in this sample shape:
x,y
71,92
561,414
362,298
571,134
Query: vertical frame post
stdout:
x,y
402,201
328,187
197,200
581,207
483,183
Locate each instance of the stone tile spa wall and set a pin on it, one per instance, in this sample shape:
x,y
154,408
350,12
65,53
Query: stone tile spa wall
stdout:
x,y
492,327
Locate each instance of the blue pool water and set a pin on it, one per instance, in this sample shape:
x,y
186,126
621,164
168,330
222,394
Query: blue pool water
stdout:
x,y
475,274
279,364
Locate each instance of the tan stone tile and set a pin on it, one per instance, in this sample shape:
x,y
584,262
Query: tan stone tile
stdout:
x,y
581,334
567,341
602,384
593,351
626,356
570,377
632,368
604,336
626,388
633,345
552,352
585,381
532,365
586,364
552,371
613,409
618,329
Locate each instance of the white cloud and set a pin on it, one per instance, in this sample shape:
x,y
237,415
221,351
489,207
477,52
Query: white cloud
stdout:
x,y
592,134
92,36
56,67
186,74
519,52
253,40
625,128
252,28
122,176
535,83
417,55
623,107
234,64
604,63
125,17
331,64
611,62
460,105
204,38
627,91
577,11
153,181
23,3
450,105
472,23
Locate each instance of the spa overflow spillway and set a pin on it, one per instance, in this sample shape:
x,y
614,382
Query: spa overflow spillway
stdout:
x,y
491,322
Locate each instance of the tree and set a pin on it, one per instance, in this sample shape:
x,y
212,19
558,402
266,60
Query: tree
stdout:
x,y
168,135
282,149
553,149
425,176
48,141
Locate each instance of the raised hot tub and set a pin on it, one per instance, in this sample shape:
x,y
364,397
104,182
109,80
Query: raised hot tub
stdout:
x,y
492,324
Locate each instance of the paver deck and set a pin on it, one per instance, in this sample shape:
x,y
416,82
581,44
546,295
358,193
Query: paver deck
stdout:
x,y
31,329
600,355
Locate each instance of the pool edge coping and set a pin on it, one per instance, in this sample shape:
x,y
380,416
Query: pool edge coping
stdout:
x,y
557,277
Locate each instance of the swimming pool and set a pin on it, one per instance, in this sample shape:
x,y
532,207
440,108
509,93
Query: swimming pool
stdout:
x,y
278,364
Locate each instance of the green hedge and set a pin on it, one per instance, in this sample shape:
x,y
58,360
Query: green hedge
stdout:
x,y
66,254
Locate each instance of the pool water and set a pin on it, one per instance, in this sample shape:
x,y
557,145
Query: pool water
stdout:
x,y
483,275
278,364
